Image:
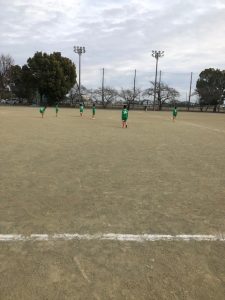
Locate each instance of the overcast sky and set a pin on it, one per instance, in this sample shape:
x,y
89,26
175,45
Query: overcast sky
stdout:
x,y
119,36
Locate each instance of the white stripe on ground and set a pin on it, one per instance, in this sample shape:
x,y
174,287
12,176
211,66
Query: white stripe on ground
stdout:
x,y
180,121
111,237
203,127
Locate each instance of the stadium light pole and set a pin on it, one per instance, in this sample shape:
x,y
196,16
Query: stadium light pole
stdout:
x,y
156,54
79,50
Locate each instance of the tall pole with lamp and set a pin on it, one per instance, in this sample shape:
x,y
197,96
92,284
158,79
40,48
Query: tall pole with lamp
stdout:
x,y
156,54
79,50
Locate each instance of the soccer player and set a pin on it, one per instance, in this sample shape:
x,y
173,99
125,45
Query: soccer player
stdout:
x,y
42,110
93,111
81,109
174,112
124,116
56,110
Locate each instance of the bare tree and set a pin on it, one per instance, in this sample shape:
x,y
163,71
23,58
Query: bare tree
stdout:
x,y
105,96
6,62
129,96
75,97
164,93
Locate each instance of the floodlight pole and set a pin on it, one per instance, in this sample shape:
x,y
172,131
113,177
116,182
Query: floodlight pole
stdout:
x,y
79,50
156,54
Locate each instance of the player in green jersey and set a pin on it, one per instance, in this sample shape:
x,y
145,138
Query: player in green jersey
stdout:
x,y
174,113
81,109
42,110
93,111
124,116
56,110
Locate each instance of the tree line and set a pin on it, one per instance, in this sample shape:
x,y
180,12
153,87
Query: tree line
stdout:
x,y
51,78
108,95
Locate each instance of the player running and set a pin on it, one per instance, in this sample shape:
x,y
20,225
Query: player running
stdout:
x,y
42,110
56,110
93,111
174,113
81,109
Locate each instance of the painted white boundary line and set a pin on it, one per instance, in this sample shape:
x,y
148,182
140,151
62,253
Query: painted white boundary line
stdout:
x,y
111,237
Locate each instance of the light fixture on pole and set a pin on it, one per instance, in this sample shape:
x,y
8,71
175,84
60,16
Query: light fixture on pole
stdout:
x,y
79,50
156,54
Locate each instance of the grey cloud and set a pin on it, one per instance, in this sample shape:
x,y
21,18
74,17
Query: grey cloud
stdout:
x,y
119,35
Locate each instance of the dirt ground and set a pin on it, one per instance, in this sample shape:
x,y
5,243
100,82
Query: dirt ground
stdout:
x,y
77,175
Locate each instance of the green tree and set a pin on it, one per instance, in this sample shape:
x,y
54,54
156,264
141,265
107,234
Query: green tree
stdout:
x,y
211,87
52,75
22,83
16,81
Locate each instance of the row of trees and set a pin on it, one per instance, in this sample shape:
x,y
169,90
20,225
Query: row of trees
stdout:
x,y
210,91
108,95
50,77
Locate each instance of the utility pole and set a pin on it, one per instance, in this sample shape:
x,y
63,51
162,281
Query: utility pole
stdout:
x,y
189,98
159,92
134,96
103,81
79,50
156,54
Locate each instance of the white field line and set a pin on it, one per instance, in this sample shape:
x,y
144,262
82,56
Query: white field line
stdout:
x,y
111,237
191,124
203,127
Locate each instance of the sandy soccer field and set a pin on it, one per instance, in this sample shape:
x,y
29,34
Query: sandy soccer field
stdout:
x,y
89,210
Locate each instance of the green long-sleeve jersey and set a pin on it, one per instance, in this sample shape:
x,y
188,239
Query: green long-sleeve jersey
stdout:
x,y
124,114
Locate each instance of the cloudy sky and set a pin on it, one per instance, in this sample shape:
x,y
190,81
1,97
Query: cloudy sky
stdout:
x,y
119,36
